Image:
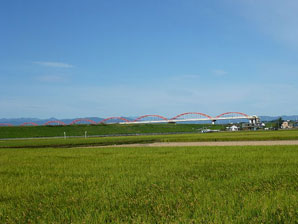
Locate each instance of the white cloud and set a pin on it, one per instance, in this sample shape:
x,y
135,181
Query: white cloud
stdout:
x,y
53,64
51,78
219,72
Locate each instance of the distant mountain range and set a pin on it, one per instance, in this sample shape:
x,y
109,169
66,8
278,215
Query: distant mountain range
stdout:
x,y
284,117
19,121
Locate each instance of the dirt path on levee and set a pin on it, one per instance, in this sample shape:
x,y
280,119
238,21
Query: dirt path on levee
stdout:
x,y
227,143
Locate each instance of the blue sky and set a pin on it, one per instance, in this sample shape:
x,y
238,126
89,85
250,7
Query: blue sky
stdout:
x,y
76,58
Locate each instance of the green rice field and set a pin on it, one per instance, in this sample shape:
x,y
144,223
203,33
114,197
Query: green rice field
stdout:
x,y
195,137
100,129
246,184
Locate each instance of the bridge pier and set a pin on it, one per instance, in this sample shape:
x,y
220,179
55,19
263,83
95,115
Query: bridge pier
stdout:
x,y
213,122
254,120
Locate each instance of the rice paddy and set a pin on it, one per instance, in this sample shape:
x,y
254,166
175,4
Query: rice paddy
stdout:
x,y
242,184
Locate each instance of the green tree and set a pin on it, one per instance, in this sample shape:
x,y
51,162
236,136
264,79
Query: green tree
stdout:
x,y
278,122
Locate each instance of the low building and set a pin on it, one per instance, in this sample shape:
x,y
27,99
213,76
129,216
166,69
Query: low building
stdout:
x,y
233,128
286,125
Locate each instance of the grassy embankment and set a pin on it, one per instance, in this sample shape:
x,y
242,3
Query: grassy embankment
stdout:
x,y
248,184
198,137
101,129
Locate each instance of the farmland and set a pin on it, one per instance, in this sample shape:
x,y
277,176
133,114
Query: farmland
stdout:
x,y
101,129
53,181
195,137
247,184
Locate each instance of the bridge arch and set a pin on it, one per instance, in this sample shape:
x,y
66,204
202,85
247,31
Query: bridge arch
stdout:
x,y
82,119
113,118
238,113
187,113
54,122
29,123
151,115
5,124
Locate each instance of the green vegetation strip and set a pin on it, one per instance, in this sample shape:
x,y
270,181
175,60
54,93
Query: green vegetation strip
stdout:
x,y
198,137
250,184
102,129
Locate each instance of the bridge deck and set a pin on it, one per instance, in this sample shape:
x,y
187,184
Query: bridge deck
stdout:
x,y
188,119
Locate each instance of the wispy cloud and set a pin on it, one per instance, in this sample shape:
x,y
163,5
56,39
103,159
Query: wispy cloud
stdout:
x,y
219,72
53,64
51,78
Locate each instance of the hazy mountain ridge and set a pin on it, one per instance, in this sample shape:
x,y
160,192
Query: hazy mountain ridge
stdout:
x,y
284,117
19,121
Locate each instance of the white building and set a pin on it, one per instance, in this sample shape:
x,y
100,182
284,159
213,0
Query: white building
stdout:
x,y
233,128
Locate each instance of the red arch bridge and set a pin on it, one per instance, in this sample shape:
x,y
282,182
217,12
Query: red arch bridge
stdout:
x,y
146,119
194,116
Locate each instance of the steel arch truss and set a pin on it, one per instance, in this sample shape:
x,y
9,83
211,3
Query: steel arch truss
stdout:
x,y
193,114
113,119
189,116
29,123
82,120
151,117
54,122
5,124
233,115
